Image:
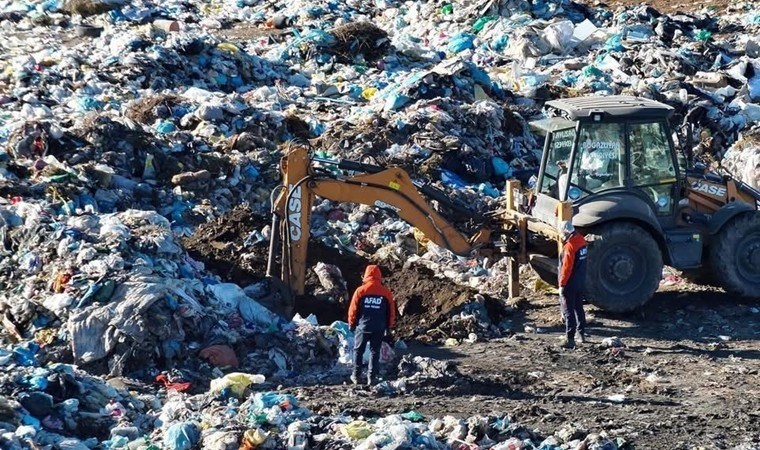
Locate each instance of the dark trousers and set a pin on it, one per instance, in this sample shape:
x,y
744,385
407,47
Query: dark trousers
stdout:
x,y
572,310
375,341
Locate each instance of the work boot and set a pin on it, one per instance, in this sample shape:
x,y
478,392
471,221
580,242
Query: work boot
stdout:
x,y
568,342
354,379
581,337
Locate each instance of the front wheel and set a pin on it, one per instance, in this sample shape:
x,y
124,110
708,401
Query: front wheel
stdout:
x,y
735,255
624,267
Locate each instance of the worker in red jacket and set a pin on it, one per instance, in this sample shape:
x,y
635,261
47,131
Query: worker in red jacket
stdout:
x,y
371,314
572,279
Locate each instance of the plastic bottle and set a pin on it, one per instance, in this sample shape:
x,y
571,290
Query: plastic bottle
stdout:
x,y
297,441
481,23
703,35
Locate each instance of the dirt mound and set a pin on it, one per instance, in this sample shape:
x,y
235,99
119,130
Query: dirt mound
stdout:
x,y
144,110
424,301
220,246
360,38
86,8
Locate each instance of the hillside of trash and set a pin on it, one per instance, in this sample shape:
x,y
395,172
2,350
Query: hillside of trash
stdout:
x,y
139,146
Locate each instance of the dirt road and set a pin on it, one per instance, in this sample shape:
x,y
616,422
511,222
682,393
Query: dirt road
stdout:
x,y
667,6
689,375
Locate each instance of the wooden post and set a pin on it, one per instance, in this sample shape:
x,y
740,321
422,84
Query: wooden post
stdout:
x,y
512,185
513,269
523,240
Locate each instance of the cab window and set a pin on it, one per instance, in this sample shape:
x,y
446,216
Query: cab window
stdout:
x,y
600,159
651,159
652,166
557,162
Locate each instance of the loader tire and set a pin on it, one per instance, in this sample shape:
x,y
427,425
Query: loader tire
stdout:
x,y
624,267
735,255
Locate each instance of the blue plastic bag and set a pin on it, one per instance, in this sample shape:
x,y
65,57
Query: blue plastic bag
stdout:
x,y
500,43
266,400
395,101
500,167
165,127
38,382
342,328
24,354
251,172
460,42
182,436
487,189
85,104
614,43
452,179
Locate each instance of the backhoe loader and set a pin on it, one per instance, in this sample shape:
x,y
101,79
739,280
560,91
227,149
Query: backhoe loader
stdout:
x,y
640,204
609,164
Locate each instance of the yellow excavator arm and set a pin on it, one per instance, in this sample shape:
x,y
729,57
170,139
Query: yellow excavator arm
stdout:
x,y
390,189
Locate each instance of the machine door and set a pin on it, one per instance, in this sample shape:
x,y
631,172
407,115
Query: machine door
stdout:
x,y
556,161
599,160
653,166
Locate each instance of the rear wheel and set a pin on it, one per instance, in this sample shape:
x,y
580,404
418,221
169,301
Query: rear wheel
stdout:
x,y
735,255
624,267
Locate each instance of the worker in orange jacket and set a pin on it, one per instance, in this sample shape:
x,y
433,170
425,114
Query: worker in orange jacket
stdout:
x,y
572,280
371,314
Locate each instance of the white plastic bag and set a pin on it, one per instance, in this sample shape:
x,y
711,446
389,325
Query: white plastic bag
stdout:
x,y
558,35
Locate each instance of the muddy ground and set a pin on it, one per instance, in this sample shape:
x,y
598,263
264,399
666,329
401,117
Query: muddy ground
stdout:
x,y
669,6
683,385
689,374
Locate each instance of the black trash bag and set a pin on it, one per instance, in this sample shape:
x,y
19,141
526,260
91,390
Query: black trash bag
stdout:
x,y
470,167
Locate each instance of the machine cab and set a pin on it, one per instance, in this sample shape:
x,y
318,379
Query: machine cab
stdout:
x,y
599,146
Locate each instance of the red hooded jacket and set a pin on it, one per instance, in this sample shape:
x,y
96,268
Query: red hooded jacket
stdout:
x,y
572,264
372,306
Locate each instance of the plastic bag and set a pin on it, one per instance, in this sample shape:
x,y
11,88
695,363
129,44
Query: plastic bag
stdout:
x,y
231,297
413,416
220,355
559,34
500,167
310,320
253,311
237,382
228,295
358,429
182,436
72,444
510,444
266,400
113,227
253,438
750,172
460,42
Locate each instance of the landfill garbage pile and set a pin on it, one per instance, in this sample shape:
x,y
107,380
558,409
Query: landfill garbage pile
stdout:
x,y
118,288
65,408
127,128
742,160
159,111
